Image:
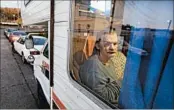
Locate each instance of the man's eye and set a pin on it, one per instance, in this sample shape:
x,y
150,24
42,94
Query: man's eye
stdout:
x,y
115,43
107,44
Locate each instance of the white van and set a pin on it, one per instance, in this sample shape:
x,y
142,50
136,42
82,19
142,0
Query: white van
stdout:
x,y
73,30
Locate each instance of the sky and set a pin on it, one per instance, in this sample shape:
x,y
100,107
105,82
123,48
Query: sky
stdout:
x,y
101,5
10,3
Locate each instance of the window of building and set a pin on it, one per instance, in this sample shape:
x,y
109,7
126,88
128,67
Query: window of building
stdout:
x,y
79,28
119,48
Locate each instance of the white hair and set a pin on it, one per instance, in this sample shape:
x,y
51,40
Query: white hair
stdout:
x,y
100,37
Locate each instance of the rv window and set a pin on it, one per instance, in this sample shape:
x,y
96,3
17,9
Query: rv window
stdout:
x,y
93,37
114,40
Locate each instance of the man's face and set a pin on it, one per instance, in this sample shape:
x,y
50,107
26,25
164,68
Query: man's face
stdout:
x,y
108,46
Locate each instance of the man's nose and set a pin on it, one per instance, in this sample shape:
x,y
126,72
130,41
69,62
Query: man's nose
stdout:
x,y
111,46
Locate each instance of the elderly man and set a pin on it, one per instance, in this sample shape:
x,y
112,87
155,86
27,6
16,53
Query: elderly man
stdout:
x,y
99,72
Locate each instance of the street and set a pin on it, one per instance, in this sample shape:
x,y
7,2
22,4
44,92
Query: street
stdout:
x,y
18,86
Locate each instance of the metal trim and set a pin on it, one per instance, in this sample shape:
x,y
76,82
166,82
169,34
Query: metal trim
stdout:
x,y
51,45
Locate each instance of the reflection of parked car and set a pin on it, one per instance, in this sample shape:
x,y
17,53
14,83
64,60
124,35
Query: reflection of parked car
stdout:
x,y
15,35
29,54
8,31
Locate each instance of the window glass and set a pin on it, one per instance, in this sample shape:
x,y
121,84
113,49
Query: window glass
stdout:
x,y
11,30
39,41
45,52
115,44
18,33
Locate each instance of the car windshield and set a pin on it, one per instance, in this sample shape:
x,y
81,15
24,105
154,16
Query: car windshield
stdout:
x,y
11,30
39,41
19,33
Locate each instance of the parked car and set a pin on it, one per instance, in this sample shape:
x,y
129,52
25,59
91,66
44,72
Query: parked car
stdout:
x,y
8,31
15,35
28,55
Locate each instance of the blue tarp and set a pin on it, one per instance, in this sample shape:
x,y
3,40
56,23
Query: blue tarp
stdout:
x,y
159,49
165,94
131,93
140,87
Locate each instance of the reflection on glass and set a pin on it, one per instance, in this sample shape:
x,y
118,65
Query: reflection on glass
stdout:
x,y
97,62
116,46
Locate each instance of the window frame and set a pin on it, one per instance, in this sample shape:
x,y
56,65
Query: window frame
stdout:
x,y
97,99
22,41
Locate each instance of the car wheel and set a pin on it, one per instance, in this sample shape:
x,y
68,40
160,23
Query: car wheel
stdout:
x,y
42,102
23,58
